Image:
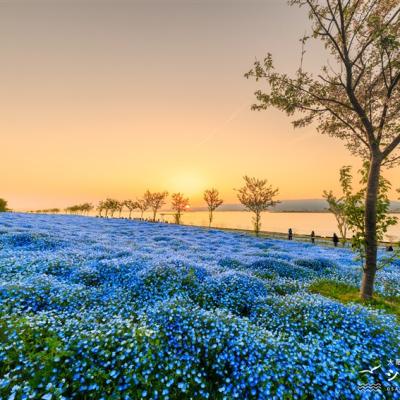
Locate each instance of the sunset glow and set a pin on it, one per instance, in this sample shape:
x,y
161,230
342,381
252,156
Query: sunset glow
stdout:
x,y
94,110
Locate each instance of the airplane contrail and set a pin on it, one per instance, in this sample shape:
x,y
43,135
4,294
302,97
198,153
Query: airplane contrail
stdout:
x,y
230,118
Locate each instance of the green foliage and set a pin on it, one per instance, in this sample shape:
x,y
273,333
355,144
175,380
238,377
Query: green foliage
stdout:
x,y
364,50
355,95
355,211
349,210
3,205
42,347
350,294
337,205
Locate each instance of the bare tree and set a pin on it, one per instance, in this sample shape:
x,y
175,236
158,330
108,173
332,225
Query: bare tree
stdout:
x,y
155,201
355,97
179,205
257,197
211,197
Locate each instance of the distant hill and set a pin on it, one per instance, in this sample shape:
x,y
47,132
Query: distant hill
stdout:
x,y
302,205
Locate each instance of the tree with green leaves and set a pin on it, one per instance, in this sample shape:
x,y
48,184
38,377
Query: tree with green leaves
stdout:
x,y
211,197
3,205
355,211
351,206
257,196
179,205
355,97
337,205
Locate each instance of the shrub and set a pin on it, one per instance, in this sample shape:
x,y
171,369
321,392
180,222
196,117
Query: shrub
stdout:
x,y
316,264
280,268
234,291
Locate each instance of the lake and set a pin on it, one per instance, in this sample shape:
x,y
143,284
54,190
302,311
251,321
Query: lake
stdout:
x,y
324,224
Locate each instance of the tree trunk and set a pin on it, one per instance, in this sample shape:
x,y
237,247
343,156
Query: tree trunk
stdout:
x,y
210,217
257,223
371,245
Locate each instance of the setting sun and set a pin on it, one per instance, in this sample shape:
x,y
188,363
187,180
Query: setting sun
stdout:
x,y
191,183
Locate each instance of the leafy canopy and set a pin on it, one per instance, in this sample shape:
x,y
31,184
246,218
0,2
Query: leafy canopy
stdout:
x,y
356,94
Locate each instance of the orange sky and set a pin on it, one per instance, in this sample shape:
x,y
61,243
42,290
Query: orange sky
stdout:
x,y
108,98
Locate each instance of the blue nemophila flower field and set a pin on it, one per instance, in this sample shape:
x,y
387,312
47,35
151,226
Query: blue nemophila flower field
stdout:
x,y
117,309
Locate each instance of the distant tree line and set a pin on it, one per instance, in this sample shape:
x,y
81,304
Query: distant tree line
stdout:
x,y
256,196
48,211
84,209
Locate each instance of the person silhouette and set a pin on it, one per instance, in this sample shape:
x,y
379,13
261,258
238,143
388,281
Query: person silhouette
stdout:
x,y
312,237
335,239
290,234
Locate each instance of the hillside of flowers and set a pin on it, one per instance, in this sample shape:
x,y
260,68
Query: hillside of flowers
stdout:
x,y
116,309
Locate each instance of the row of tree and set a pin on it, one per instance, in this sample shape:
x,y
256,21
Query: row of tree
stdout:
x,y
150,201
48,211
84,209
154,201
256,196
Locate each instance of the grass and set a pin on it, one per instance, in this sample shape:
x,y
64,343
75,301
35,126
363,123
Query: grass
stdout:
x,y
350,294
